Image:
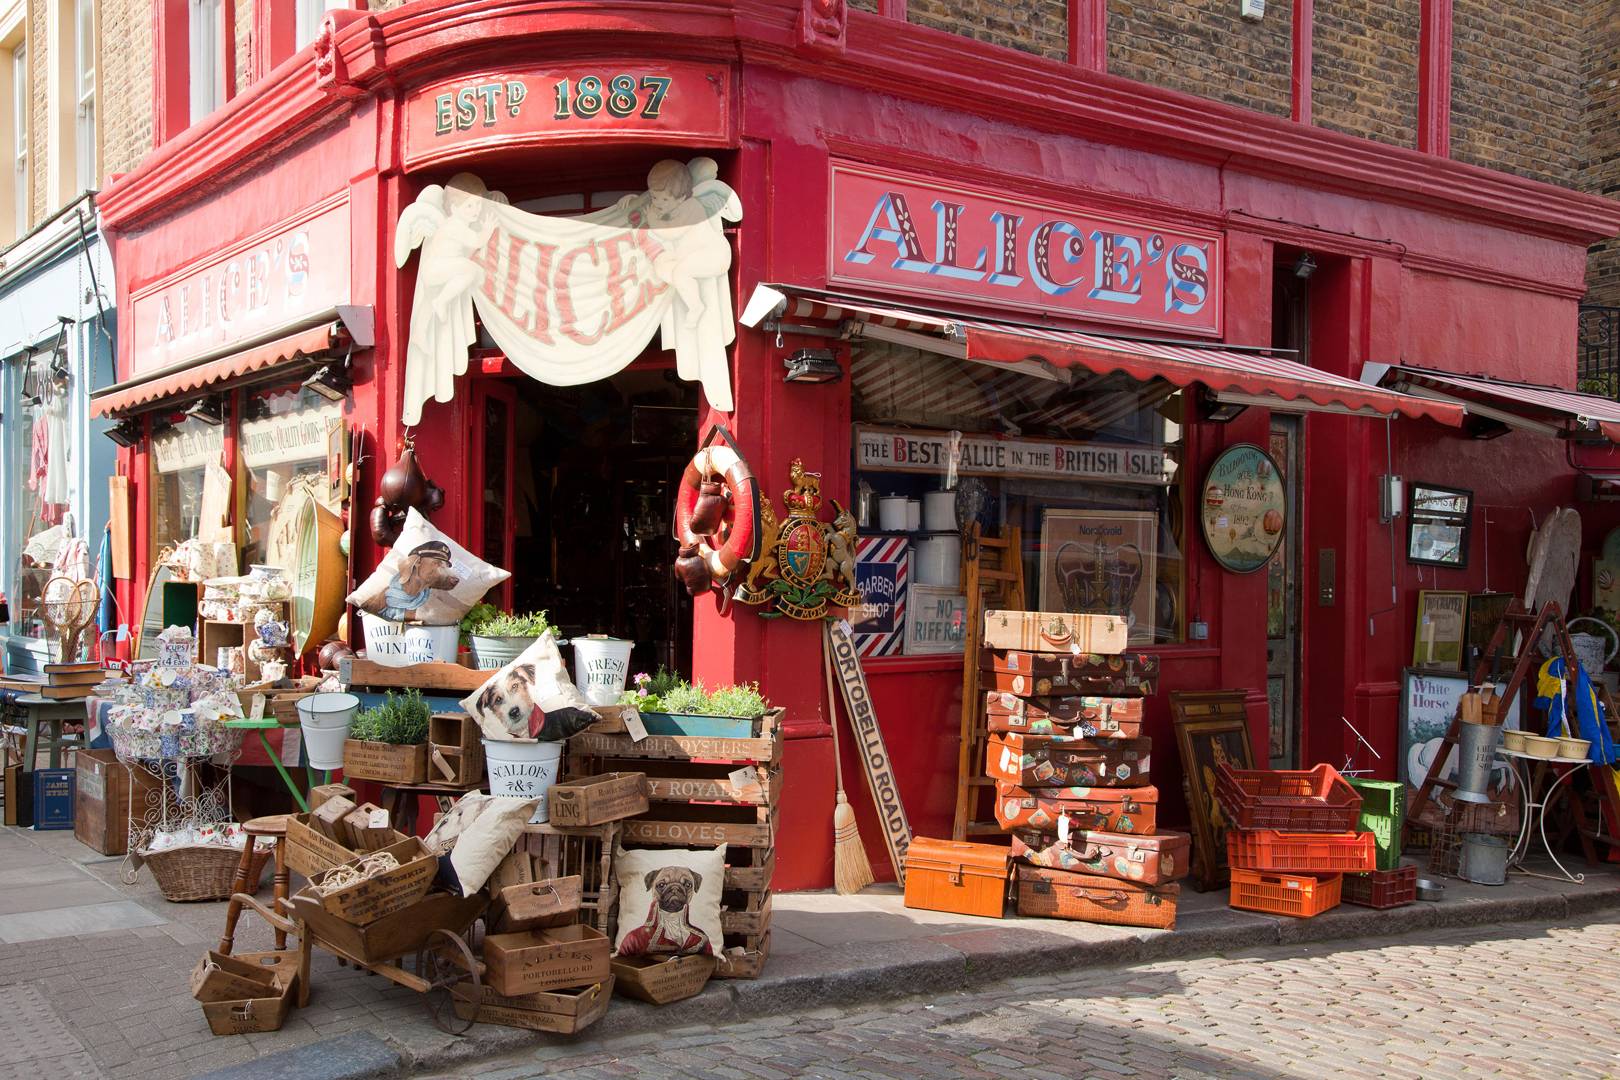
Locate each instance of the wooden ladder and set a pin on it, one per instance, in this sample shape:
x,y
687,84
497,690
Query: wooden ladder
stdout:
x,y
993,580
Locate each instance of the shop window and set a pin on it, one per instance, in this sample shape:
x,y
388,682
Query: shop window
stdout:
x,y
207,36
85,114
20,104
40,506
181,454
283,444
1088,466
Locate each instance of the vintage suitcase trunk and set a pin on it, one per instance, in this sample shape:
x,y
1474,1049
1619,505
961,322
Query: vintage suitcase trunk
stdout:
x,y
1059,894
1123,810
1147,860
1055,631
950,875
1035,674
1083,716
1053,761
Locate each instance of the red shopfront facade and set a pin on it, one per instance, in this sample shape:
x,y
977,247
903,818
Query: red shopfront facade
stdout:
x,y
1205,211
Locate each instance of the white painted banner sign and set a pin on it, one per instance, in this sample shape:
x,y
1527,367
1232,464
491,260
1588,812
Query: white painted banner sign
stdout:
x,y
941,452
875,762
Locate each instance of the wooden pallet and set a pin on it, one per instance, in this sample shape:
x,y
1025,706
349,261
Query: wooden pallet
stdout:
x,y
694,803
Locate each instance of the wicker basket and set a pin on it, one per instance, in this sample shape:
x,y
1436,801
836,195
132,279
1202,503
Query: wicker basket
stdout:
x,y
203,871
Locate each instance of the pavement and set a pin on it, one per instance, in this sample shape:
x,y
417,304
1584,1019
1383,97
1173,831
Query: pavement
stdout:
x,y
93,973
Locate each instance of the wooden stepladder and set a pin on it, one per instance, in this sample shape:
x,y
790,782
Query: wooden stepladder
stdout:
x,y
993,580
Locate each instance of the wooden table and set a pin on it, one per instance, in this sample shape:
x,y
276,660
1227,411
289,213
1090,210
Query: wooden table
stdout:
x,y
52,712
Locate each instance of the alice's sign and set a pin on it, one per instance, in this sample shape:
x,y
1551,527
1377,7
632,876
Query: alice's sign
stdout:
x,y
297,270
669,102
943,452
916,235
571,300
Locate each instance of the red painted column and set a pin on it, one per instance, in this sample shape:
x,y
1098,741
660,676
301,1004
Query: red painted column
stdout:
x,y
1088,34
1434,79
171,63
1304,16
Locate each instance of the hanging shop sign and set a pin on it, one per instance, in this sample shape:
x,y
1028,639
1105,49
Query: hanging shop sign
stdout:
x,y
291,437
668,102
942,452
913,234
275,280
188,446
805,565
571,300
1242,508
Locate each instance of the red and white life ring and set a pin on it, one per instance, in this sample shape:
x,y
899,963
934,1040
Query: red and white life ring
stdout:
x,y
733,541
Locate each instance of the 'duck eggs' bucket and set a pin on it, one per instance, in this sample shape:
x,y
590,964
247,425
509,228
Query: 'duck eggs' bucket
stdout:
x,y
601,666
324,720
524,770
394,644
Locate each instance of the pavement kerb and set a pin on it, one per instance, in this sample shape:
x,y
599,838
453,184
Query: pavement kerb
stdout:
x,y
867,973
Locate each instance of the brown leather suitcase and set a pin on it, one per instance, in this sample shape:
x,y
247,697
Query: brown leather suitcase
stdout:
x,y
955,876
1124,809
1035,674
1147,860
1082,716
1058,894
1049,761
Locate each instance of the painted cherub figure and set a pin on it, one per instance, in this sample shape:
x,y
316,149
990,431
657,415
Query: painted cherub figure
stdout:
x,y
687,205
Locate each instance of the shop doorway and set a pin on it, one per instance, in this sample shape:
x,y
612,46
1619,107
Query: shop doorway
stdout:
x,y
576,485
1284,651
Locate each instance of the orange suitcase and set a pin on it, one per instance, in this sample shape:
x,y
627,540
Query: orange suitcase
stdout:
x,y
1148,860
1084,717
951,875
1049,761
1058,894
1034,674
1123,809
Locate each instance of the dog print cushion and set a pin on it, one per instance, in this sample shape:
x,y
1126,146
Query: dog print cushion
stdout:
x,y
426,578
669,902
478,832
531,698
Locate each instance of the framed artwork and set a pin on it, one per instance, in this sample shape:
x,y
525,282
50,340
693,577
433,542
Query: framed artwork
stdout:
x,y
1485,610
337,462
936,622
1102,562
1606,574
1243,508
1428,704
1437,525
1212,729
1438,638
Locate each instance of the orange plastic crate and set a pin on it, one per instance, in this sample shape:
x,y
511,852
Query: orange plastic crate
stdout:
x,y
1382,889
1299,895
1301,853
1293,800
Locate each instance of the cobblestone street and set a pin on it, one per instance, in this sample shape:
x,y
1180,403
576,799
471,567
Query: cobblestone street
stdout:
x,y
1527,1000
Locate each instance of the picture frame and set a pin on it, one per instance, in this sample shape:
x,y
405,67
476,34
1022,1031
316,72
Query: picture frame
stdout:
x,y
337,462
1438,525
936,622
1212,727
1439,630
1428,704
1485,611
1127,583
1243,508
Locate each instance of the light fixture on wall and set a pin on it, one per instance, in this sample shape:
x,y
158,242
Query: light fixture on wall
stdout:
x,y
126,433
1216,411
331,381
1304,266
210,410
812,366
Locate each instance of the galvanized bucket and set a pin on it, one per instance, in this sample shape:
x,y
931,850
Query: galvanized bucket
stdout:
x,y
1484,859
1476,757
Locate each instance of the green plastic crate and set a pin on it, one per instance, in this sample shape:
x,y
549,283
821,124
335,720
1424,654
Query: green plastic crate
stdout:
x,y
1383,811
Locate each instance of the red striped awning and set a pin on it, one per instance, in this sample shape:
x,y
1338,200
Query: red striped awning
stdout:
x,y
1545,406
160,386
1269,380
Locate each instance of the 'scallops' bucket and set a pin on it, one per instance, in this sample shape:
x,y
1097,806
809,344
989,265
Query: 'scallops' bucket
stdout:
x,y
394,644
324,720
524,770
601,666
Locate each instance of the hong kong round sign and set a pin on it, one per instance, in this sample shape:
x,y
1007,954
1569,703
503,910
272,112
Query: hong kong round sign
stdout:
x,y
1243,508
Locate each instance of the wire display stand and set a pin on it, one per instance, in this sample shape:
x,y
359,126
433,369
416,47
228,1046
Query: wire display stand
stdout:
x,y
183,798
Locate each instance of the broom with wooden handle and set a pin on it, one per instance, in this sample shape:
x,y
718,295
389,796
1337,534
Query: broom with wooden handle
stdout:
x,y
852,871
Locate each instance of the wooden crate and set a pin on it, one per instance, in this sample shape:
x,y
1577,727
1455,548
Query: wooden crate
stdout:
x,y
585,852
662,980
386,763
562,1012
101,810
593,800
705,791
369,900
310,852
455,750
534,961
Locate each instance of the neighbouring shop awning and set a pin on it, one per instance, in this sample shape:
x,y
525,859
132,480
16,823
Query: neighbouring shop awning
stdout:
x,y
1231,375
1546,410
339,330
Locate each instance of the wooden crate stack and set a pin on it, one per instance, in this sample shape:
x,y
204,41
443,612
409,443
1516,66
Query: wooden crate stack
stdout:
x,y
1063,717
706,790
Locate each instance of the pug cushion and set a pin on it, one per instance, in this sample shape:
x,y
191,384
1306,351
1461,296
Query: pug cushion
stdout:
x,y
531,698
669,902
426,578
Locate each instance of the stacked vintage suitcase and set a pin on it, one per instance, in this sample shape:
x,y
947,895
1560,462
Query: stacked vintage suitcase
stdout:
x,y
1291,837
1063,705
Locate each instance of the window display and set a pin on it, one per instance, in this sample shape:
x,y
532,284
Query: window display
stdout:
x,y
40,506
283,443
181,454
1088,466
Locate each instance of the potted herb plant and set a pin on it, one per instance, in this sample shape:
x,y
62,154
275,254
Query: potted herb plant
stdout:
x,y
669,705
388,742
498,637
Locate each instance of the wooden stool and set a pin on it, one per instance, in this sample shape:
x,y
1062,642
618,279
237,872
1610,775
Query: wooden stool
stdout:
x,y
275,826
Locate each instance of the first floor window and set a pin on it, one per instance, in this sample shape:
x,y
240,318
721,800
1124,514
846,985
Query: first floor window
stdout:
x,y
207,57
85,114
20,102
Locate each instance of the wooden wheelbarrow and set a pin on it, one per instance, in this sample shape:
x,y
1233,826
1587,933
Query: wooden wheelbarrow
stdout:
x,y
435,930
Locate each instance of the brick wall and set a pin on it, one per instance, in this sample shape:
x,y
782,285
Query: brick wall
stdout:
x,y
1032,26
1517,93
124,84
1364,68
1600,171
1204,47
39,147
